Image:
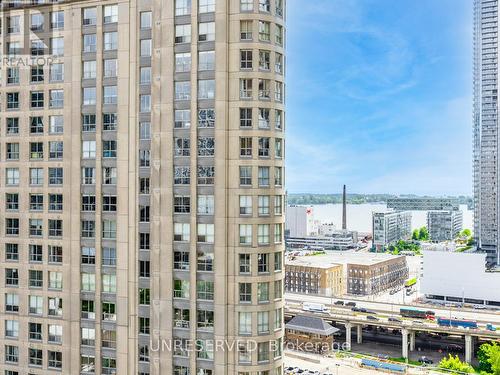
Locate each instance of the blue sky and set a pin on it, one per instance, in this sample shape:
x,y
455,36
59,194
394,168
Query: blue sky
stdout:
x,y
379,96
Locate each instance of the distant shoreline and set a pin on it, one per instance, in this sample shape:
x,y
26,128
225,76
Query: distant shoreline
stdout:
x,y
309,199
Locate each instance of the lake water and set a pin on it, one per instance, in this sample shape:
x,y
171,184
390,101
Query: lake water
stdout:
x,y
359,216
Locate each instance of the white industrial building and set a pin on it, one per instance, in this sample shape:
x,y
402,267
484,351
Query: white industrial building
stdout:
x,y
390,227
299,221
459,277
444,225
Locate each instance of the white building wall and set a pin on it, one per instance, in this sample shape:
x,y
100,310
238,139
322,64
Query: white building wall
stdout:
x,y
299,221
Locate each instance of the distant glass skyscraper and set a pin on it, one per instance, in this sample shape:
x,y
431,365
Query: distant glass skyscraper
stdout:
x,y
485,137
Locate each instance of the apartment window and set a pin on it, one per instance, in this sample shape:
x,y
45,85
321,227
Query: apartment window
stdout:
x,y
278,205
144,158
245,263
35,227
55,228
36,75
245,234
109,283
146,47
182,119
144,185
264,118
145,103
206,233
109,121
206,205
89,16
89,43
183,34
13,76
55,254
35,305
14,24
145,130
144,295
143,214
109,176
87,309
245,205
145,75
55,176
263,205
89,96
246,146
205,290
182,62
279,35
182,7
109,149
55,280
110,94
245,292
206,60
57,20
12,100
88,228
11,252
144,268
182,204
88,203
263,352
109,229
206,118
264,89
11,227
246,5
245,88
206,146
108,256
182,90
87,256
181,232
263,234
181,260
265,6
87,280
263,263
37,49
12,151
264,31
246,59
36,125
88,176
55,333
35,253
12,125
110,41
246,30
37,21
278,176
245,323
206,6
205,261
109,203
110,68
245,175
37,99
12,176
36,176
146,20
57,46
11,277
262,322
206,31
205,319
109,311
35,279
54,360
264,60
11,328
278,120
206,89
278,63
56,124
264,147
278,91
263,292
87,336
246,117
205,175
56,98
89,69
11,302
110,14
11,354
108,365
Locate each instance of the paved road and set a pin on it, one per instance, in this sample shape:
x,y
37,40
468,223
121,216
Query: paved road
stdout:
x,y
485,316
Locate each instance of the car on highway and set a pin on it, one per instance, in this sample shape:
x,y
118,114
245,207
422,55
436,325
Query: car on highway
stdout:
x,y
394,291
339,303
425,360
479,307
355,309
371,317
417,322
394,319
491,327
351,304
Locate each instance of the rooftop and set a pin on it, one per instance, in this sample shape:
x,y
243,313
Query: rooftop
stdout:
x,y
335,258
311,324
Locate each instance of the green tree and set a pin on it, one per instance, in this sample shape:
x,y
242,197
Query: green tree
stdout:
x,y
466,233
423,234
454,363
489,358
415,235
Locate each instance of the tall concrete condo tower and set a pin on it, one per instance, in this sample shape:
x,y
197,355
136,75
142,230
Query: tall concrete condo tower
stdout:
x,y
142,187
486,174
344,209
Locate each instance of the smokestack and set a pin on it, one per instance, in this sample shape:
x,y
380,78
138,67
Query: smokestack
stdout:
x,y
344,210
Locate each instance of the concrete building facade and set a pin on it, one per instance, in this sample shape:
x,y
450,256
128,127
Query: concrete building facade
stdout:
x,y
422,204
444,225
299,221
389,227
485,129
142,186
306,277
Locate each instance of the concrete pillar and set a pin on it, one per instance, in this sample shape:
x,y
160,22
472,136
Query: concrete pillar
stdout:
x,y
404,332
359,334
348,329
468,348
412,340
